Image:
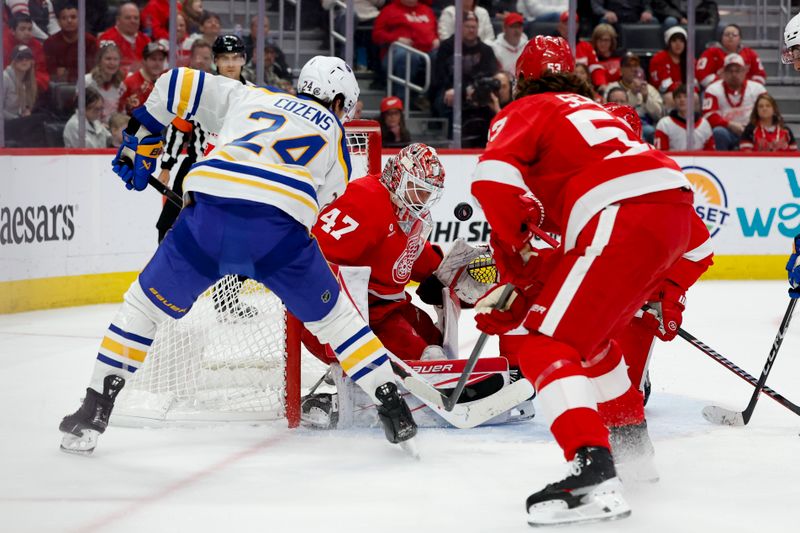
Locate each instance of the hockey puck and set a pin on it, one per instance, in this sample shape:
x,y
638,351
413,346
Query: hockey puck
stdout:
x,y
463,211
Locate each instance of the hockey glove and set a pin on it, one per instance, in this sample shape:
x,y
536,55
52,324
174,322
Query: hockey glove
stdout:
x,y
518,267
136,159
793,268
665,315
496,320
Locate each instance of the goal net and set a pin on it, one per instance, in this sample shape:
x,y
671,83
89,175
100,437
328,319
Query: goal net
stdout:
x,y
235,356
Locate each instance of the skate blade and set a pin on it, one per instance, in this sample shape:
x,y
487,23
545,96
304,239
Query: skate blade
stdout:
x,y
721,416
603,504
83,445
410,448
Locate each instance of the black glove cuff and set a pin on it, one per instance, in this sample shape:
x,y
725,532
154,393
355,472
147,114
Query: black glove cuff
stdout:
x,y
430,291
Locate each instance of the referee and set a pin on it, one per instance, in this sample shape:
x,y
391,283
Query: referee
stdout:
x,y
229,59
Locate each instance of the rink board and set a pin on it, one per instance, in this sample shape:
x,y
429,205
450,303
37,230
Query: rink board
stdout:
x,y
71,234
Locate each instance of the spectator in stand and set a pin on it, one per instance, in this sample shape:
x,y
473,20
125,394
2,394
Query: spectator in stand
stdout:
x,y
139,84
366,56
22,33
107,78
584,53
616,11
709,66
41,13
61,48
674,12
201,56
542,10
412,24
274,75
582,72
478,61
155,19
728,102
668,67
193,11
604,42
117,124
23,124
282,68
182,43
209,28
509,44
126,34
394,133
671,130
447,21
502,97
19,84
617,95
97,135
642,96
766,131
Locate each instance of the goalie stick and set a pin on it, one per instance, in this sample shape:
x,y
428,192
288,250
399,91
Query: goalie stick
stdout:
x,y
721,415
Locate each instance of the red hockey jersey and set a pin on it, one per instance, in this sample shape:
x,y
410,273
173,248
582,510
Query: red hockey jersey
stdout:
x,y
397,20
360,228
671,134
711,63
665,74
573,155
585,54
761,139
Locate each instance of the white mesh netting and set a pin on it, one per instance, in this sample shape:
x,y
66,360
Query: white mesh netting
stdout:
x,y
225,361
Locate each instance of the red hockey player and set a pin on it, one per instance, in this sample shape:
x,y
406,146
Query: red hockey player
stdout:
x,y
557,160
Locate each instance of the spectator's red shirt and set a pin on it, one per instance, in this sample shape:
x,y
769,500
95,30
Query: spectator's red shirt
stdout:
x,y
665,74
155,18
137,89
40,63
131,52
711,63
761,139
62,54
416,23
613,66
584,53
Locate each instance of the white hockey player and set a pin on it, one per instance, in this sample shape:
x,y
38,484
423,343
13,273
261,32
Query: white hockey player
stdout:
x,y
791,38
248,210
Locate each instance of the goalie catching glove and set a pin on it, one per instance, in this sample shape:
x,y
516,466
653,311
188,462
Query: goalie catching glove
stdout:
x,y
468,270
665,315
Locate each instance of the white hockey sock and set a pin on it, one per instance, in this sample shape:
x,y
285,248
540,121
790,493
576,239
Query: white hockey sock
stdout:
x,y
128,338
362,356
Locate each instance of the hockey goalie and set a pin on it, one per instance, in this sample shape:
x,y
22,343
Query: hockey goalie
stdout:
x,y
381,226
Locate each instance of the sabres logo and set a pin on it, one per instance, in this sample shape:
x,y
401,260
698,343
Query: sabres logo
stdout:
x,y
710,198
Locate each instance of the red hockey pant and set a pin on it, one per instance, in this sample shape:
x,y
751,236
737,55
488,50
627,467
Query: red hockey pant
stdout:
x,y
590,294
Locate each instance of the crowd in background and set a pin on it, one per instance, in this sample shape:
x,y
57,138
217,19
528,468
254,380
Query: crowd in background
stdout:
x,y
127,49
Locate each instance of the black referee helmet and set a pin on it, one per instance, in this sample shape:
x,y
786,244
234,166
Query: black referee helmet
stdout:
x,y
228,44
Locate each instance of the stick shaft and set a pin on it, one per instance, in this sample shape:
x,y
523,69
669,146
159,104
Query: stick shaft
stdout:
x,y
171,195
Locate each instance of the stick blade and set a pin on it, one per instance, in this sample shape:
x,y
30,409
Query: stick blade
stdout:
x,y
721,416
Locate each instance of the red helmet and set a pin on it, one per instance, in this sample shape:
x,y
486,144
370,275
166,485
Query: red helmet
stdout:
x,y
627,114
415,178
544,54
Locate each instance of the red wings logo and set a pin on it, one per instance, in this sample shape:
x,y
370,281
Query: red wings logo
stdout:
x,y
401,271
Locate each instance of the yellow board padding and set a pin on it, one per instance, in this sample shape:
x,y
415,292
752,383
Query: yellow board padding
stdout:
x,y
63,291
748,267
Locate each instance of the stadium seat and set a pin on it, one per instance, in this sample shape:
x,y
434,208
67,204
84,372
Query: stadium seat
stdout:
x,y
641,37
540,28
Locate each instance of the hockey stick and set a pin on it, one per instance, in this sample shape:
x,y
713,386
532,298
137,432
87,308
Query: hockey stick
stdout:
x,y
730,365
450,401
720,415
171,195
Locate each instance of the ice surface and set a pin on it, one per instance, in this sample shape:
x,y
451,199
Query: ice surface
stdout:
x,y
271,479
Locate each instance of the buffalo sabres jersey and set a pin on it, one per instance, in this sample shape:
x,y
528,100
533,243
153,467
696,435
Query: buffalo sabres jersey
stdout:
x,y
275,148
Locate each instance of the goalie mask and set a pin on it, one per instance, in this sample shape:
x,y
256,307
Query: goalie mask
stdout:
x,y
415,180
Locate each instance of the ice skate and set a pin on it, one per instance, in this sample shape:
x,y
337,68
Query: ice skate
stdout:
x,y
394,414
591,492
320,410
82,428
633,453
